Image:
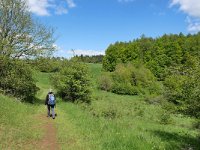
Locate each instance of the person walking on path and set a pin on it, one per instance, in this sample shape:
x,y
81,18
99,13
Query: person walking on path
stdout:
x,y
51,103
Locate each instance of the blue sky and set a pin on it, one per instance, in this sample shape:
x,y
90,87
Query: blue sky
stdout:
x,y
90,26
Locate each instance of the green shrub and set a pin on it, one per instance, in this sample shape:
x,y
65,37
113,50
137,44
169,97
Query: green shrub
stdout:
x,y
133,80
124,89
183,89
16,79
72,82
105,82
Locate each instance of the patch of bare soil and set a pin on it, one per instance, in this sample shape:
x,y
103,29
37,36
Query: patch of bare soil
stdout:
x,y
49,141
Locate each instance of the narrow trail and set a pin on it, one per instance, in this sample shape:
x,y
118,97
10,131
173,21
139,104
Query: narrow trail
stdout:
x,y
49,140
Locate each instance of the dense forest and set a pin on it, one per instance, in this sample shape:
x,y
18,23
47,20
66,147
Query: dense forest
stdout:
x,y
167,65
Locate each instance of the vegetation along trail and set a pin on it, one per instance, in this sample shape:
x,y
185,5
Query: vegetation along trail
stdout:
x,y
143,94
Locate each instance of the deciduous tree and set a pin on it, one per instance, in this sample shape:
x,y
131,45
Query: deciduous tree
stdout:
x,y
20,34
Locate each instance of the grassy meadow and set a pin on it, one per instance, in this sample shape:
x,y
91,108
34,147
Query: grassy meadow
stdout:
x,y
110,122
124,122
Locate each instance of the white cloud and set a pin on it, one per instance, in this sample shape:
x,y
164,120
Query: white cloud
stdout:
x,y
41,10
192,9
59,10
47,7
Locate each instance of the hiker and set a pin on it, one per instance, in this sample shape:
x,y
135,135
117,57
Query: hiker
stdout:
x,y
51,103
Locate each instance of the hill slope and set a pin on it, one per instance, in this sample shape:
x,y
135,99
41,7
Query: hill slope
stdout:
x,y
110,122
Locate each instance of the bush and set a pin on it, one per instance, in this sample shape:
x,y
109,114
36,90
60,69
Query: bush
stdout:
x,y
133,80
183,89
124,89
16,79
105,82
72,82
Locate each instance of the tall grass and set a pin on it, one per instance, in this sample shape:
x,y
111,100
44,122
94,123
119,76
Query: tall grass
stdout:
x,y
18,127
121,123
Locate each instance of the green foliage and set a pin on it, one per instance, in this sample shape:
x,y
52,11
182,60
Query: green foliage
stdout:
x,y
72,82
105,82
110,59
157,54
172,58
183,89
16,79
47,64
131,80
21,35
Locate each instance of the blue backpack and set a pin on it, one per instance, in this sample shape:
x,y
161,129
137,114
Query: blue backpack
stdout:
x,y
51,99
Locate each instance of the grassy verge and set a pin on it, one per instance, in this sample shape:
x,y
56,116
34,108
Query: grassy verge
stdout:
x,y
18,127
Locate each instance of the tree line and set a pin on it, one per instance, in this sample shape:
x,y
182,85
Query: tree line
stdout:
x,y
89,59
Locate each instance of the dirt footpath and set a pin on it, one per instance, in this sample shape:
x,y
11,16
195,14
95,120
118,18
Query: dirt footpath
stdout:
x,y
49,140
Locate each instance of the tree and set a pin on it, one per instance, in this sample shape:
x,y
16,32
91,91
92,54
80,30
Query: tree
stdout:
x,y
72,82
20,34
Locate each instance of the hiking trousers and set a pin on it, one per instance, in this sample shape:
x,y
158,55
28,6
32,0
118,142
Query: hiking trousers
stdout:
x,y
50,109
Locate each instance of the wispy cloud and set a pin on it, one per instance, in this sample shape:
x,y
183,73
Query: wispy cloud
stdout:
x,y
71,3
193,25
192,9
49,7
